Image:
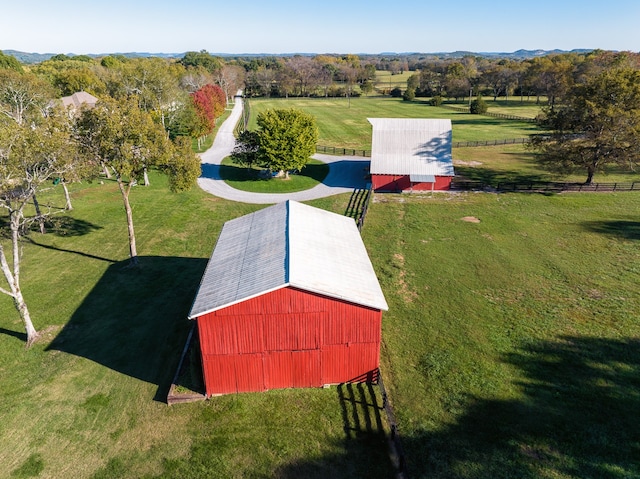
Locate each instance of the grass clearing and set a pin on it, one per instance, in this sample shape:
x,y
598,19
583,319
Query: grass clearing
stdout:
x,y
512,344
511,347
343,123
246,179
87,400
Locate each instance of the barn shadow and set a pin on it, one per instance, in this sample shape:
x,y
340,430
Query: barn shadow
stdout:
x,y
577,418
364,449
134,319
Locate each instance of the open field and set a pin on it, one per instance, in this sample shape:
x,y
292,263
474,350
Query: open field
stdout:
x,y
87,400
511,347
512,342
505,341
385,81
343,123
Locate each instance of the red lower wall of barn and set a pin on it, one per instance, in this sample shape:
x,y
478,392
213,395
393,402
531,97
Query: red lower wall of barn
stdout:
x,y
288,338
398,183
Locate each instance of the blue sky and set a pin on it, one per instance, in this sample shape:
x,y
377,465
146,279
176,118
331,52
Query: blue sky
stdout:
x,y
310,26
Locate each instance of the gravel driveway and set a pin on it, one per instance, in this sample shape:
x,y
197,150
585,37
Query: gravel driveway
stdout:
x,y
345,172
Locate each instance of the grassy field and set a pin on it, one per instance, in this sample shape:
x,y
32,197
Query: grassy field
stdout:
x,y
87,401
343,123
512,341
385,81
511,347
249,179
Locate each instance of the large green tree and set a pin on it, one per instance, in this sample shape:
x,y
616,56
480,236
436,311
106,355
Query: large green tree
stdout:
x,y
128,141
596,126
287,138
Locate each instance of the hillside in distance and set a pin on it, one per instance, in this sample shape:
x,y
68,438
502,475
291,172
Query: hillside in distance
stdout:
x,y
30,58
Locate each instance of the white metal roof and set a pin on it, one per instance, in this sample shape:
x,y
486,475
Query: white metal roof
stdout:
x,y
411,146
288,244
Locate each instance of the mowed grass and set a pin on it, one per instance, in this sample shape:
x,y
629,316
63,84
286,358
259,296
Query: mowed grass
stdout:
x,y
87,401
512,341
516,163
343,123
526,107
249,179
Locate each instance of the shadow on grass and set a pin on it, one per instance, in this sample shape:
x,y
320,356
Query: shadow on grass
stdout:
x,y
577,418
21,336
625,229
134,320
315,171
491,177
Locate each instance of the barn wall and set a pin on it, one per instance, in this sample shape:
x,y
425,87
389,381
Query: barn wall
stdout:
x,y
288,338
442,183
398,183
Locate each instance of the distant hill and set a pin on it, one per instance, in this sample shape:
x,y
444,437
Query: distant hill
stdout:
x,y
29,58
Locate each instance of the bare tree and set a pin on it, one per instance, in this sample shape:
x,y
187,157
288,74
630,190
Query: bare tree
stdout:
x,y
31,156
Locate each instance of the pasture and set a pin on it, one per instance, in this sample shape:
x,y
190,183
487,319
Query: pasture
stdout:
x,y
343,122
511,347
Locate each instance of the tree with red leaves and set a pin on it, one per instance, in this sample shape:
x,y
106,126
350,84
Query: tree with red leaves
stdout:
x,y
210,102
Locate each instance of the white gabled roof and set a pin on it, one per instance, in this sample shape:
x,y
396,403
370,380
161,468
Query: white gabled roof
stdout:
x,y
411,146
288,244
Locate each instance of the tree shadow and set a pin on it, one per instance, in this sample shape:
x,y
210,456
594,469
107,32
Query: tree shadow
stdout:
x,y
364,448
492,177
134,320
577,418
625,229
16,334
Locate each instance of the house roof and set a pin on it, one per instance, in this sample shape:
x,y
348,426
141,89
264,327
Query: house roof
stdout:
x,y
411,146
288,244
78,99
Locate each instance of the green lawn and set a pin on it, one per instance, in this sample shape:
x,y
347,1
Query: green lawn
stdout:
x,y
246,179
512,344
87,401
527,107
343,123
511,347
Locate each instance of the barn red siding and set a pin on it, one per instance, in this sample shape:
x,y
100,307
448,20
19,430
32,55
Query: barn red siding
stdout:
x,y
397,183
288,338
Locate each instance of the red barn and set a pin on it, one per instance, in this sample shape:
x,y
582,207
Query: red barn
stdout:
x,y
411,154
289,299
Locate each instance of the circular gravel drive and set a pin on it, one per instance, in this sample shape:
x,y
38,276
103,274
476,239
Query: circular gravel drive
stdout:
x,y
345,172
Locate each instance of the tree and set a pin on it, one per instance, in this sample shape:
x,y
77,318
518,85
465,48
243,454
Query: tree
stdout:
x,y
202,59
288,138
209,102
22,95
246,149
126,138
598,125
478,106
10,62
31,157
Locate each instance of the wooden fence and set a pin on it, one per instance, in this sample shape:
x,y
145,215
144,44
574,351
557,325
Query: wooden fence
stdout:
x,y
465,109
332,150
395,443
543,187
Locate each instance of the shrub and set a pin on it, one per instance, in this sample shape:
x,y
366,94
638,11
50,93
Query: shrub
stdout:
x,y
396,92
478,106
409,94
436,101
